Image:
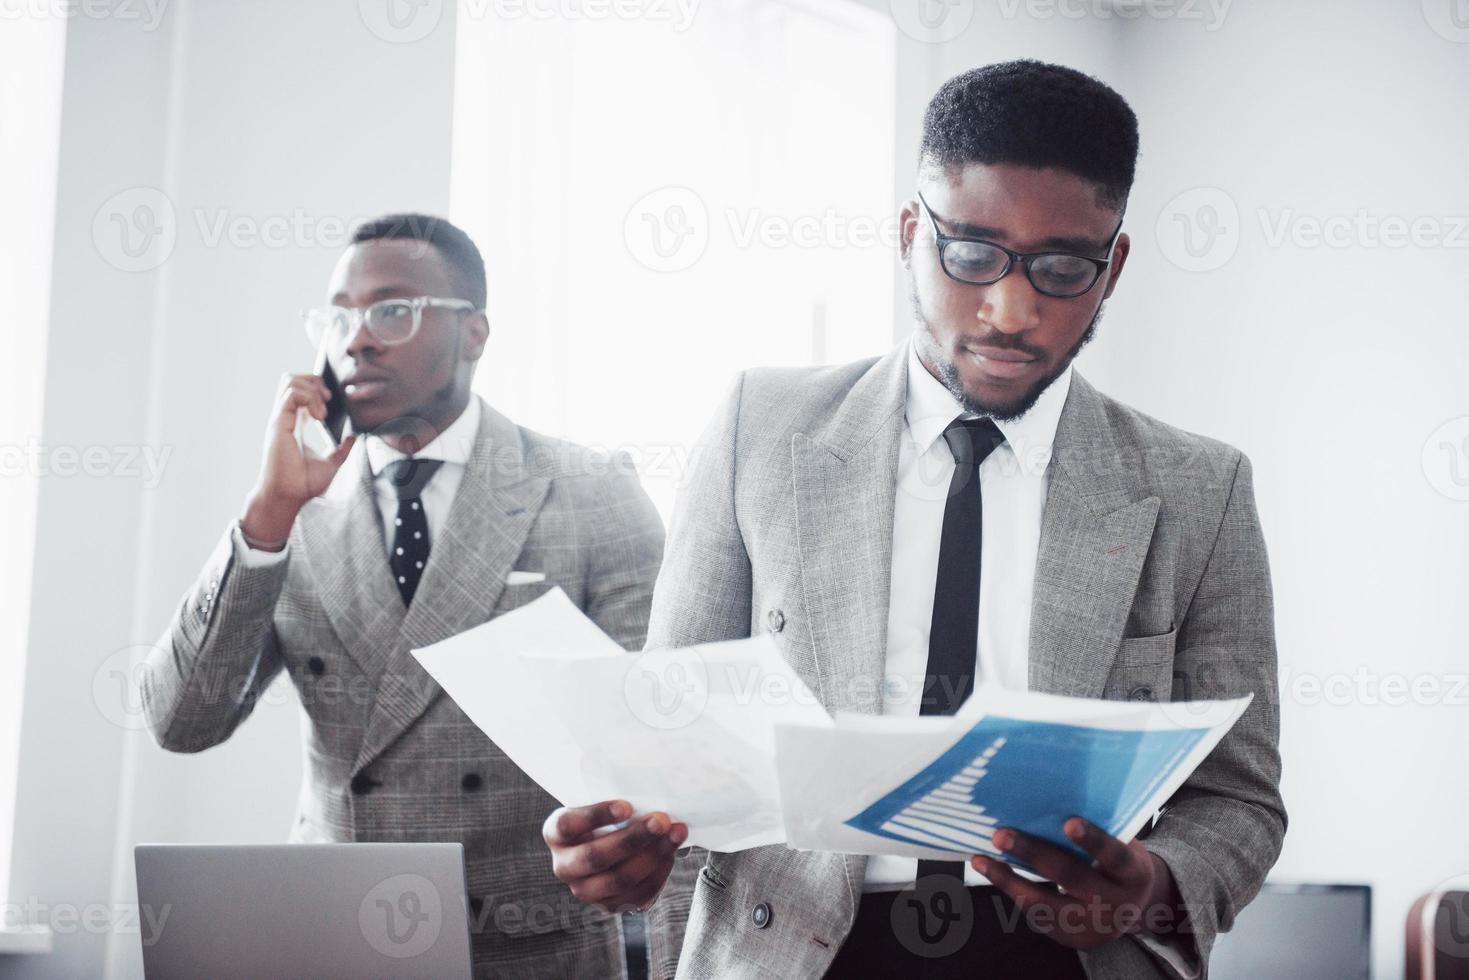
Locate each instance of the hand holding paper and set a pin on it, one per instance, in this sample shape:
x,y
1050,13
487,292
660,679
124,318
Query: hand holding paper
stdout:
x,y
727,739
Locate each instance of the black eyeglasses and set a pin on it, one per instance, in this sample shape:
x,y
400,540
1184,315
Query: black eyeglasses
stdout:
x,y
976,262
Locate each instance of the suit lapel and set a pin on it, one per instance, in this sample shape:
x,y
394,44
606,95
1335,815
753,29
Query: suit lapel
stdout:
x,y
1094,540
845,481
493,511
348,560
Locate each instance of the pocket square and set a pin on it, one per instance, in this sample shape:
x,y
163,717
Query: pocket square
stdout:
x,y
524,578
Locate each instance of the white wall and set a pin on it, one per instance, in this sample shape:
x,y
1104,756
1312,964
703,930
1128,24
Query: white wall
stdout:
x,y
1331,367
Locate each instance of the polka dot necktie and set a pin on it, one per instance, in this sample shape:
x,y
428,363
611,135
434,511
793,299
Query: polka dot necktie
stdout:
x,y
409,553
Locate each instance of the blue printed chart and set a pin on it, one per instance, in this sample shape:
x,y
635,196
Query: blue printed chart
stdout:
x,y
1030,776
939,787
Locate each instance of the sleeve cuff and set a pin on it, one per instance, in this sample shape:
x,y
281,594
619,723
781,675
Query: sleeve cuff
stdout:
x,y
1178,960
250,557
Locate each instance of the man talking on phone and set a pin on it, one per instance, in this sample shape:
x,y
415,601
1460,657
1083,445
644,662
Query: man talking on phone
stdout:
x,y
437,514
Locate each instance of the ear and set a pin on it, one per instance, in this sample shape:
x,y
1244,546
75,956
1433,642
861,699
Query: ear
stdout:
x,y
907,230
476,335
1119,259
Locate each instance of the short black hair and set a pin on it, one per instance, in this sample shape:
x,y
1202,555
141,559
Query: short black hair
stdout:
x,y
1034,114
466,265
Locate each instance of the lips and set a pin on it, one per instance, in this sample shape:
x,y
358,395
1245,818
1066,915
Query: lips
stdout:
x,y
1001,363
364,386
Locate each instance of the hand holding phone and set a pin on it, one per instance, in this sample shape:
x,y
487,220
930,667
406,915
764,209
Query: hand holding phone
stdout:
x,y
292,474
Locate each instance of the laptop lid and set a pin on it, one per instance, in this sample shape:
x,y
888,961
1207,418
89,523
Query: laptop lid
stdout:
x,y
323,911
1306,932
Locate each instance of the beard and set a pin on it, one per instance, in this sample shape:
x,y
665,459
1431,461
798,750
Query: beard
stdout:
x,y
948,375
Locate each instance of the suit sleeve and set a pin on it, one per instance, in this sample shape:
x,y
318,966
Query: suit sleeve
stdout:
x,y
219,653
1222,831
622,563
703,595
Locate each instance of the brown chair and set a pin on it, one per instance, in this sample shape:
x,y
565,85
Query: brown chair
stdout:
x,y
1438,936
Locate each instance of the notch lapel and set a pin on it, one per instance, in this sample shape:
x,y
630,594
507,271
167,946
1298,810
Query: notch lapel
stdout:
x,y
845,480
493,511
1094,540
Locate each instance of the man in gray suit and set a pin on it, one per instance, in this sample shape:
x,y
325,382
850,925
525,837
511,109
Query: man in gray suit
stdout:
x,y
970,505
439,515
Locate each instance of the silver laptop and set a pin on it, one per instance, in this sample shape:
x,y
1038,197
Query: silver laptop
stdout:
x,y
320,911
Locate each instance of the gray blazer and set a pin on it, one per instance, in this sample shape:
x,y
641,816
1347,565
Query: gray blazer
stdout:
x,y
390,757
1151,584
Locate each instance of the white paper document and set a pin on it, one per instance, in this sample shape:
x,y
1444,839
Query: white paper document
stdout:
x,y
690,731
728,739
938,787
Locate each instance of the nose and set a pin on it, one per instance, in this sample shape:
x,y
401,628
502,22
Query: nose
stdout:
x,y
360,340
1011,305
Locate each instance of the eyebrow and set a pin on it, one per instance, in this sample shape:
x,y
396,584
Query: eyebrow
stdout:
x,y
391,291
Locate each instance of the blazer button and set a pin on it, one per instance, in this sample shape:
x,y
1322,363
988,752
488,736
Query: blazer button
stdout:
x,y
775,620
1141,694
317,665
362,784
471,782
760,915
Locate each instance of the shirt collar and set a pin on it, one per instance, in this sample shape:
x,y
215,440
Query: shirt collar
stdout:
x,y
930,409
453,445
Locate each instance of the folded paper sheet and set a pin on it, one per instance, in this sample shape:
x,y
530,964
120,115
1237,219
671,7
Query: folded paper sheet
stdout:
x,y
689,731
937,787
727,738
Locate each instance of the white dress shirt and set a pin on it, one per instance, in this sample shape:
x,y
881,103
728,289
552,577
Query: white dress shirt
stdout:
x,y
1012,484
453,447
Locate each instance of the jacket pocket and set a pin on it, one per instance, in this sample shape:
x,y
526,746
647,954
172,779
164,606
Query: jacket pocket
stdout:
x,y
1146,651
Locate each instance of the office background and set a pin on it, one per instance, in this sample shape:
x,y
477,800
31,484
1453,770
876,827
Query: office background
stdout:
x,y
665,193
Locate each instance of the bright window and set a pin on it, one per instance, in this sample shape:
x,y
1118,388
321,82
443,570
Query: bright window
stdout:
x,y
31,51
664,201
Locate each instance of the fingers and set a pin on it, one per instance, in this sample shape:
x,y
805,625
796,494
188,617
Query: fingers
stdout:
x,y
300,391
1050,861
642,898
603,852
1024,891
339,456
568,825
619,869
1113,857
631,883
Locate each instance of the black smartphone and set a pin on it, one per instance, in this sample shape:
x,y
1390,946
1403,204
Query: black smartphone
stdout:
x,y
336,406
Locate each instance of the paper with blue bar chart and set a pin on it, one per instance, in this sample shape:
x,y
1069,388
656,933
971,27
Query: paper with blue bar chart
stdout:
x,y
938,787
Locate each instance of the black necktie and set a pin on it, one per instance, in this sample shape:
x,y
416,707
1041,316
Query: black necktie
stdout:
x,y
953,635
410,528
